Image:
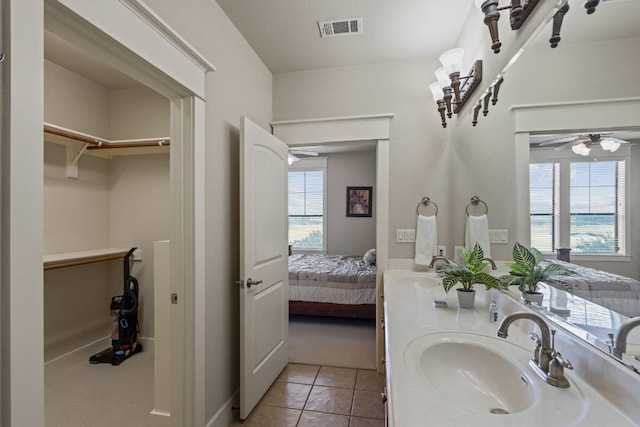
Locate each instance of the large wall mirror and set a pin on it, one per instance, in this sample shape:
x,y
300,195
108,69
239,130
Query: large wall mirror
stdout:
x,y
521,160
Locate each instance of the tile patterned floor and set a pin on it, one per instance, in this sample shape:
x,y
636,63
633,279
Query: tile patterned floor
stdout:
x,y
321,396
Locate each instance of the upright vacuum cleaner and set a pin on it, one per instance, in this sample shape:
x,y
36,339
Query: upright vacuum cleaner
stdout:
x,y
124,319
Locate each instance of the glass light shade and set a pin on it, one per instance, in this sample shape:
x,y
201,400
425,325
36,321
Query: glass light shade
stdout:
x,y
436,91
581,149
452,60
291,158
443,78
609,144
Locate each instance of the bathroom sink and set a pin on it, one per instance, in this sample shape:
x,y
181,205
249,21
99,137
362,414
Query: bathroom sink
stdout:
x,y
487,376
471,370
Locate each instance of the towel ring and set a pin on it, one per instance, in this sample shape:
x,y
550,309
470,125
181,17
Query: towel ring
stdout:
x,y
475,200
426,202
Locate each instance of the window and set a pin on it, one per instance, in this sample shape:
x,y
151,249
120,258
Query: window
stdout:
x,y
307,206
578,203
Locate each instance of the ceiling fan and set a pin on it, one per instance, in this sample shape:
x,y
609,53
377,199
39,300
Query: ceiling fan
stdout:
x,y
581,144
302,151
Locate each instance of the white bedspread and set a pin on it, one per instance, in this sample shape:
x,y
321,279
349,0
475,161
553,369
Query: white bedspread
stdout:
x,y
334,279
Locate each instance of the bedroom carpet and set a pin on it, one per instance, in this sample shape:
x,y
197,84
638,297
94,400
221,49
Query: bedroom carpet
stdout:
x,y
345,343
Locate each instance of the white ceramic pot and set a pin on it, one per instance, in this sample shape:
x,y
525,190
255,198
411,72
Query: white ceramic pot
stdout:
x,y
533,298
466,298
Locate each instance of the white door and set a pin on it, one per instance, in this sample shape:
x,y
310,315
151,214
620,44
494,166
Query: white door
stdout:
x,y
264,288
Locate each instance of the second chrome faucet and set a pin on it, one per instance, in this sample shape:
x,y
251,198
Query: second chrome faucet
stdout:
x,y
546,361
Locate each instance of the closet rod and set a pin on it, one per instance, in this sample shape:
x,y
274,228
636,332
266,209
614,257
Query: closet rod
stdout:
x,y
101,143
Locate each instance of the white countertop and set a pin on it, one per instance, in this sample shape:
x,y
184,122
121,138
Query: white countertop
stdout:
x,y
410,314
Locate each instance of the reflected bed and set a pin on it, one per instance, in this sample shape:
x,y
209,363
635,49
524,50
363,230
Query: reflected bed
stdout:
x,y
332,285
617,293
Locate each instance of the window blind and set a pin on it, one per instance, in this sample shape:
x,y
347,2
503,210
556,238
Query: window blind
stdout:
x,y
544,205
306,209
596,202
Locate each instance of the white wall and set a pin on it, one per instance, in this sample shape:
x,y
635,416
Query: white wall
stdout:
x,y
241,85
419,148
75,102
349,235
76,217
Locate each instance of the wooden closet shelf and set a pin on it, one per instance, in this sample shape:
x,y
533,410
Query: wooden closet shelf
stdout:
x,y
97,143
71,259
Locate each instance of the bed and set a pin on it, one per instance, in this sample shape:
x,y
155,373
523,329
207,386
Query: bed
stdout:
x,y
332,285
617,293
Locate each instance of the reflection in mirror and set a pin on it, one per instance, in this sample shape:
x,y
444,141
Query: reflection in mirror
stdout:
x,y
591,322
584,170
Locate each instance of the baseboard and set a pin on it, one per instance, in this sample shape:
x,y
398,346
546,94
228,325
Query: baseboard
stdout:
x,y
148,344
224,416
77,356
159,419
82,354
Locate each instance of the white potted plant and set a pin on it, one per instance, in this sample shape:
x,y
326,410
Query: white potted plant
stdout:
x,y
526,272
468,274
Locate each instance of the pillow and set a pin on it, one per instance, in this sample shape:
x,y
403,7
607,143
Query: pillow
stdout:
x,y
370,257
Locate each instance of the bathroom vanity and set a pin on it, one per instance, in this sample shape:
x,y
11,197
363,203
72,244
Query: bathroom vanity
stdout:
x,y
447,366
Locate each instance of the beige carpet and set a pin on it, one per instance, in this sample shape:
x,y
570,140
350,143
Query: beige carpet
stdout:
x,y
85,395
347,343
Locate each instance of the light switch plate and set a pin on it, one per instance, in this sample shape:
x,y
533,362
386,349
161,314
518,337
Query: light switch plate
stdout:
x,y
499,236
405,235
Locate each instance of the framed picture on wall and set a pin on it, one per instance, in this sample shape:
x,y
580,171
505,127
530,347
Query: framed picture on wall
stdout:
x,y
359,201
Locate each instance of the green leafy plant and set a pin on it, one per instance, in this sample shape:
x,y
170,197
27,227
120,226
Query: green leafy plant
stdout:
x,y
526,271
469,272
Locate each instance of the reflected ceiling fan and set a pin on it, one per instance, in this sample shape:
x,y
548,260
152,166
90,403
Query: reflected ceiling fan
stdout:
x,y
300,151
581,144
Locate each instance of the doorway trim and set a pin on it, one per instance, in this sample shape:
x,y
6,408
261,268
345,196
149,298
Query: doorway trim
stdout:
x,y
355,129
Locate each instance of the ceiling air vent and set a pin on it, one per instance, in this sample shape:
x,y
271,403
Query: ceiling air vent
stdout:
x,y
340,27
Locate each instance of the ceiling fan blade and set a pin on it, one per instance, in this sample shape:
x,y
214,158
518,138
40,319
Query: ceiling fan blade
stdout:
x,y
618,140
568,144
560,140
303,152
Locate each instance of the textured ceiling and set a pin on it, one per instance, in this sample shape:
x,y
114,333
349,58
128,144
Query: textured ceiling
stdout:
x,y
285,33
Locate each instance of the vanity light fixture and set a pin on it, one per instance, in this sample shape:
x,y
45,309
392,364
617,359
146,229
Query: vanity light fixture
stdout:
x,y
491,94
451,91
591,5
519,11
557,25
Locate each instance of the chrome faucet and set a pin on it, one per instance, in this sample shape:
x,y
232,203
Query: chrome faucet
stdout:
x,y
546,361
490,261
438,258
620,344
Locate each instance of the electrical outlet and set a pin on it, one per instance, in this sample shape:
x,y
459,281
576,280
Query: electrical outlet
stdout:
x,y
442,251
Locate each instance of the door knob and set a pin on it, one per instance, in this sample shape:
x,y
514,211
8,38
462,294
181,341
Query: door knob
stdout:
x,y
251,282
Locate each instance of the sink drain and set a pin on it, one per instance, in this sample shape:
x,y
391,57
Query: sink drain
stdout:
x,y
499,411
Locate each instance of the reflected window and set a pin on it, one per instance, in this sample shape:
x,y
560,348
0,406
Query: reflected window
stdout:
x,y
578,202
597,207
544,205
